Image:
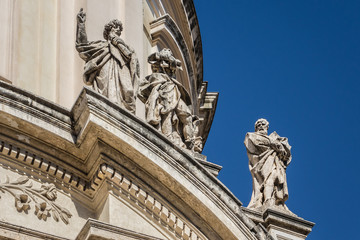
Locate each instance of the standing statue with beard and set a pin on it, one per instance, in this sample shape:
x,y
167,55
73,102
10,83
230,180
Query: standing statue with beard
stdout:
x,y
269,156
111,66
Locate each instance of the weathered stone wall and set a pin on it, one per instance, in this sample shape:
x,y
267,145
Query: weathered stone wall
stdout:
x,y
107,164
37,42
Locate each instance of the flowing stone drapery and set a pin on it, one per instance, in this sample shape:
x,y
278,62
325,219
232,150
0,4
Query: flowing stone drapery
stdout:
x,y
269,156
165,102
111,66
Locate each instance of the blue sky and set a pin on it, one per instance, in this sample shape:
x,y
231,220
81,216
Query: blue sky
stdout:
x,y
297,64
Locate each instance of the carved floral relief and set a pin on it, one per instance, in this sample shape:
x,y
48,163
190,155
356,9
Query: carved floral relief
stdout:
x,y
111,66
42,199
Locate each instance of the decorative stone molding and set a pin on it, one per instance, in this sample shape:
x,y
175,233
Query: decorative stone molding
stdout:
x,y
280,224
67,146
195,33
94,229
147,202
43,198
213,168
134,192
165,31
20,232
181,10
4,79
44,166
207,102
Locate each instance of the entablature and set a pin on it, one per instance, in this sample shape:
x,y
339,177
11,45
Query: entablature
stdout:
x,y
98,146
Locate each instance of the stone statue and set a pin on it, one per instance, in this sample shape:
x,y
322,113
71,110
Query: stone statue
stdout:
x,y
166,102
269,155
111,66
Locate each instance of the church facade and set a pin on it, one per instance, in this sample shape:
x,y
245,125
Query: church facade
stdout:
x,y
102,128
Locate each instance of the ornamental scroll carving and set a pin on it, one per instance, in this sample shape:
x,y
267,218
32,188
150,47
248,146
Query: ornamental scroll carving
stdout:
x,y
167,107
43,198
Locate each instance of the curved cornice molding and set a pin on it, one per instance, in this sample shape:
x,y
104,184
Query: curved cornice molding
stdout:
x,y
196,36
72,145
26,233
165,30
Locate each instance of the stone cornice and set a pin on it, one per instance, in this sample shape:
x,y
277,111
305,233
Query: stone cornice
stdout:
x,y
19,232
129,187
95,229
159,28
196,36
70,146
272,218
207,102
294,223
204,103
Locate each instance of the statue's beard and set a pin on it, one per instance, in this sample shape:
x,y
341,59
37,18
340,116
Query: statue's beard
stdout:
x,y
263,131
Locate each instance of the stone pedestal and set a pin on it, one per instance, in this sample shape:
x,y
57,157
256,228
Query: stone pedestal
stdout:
x,y
281,225
211,167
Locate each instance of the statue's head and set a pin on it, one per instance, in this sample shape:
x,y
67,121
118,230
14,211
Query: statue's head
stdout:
x,y
113,24
262,126
164,62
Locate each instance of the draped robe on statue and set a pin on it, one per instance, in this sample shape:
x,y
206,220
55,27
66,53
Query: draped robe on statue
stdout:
x,y
166,109
267,167
111,69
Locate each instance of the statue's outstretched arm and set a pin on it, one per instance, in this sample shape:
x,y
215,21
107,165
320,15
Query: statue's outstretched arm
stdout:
x,y
81,36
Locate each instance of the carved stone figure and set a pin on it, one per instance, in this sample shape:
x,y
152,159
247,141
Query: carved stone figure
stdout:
x,y
269,155
111,66
166,102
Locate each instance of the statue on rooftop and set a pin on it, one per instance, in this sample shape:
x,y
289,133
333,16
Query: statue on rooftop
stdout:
x,y
269,156
166,102
111,66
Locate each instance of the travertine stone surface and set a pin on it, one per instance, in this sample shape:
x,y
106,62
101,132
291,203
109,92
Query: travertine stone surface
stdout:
x,y
38,53
47,209
95,230
111,66
281,225
269,156
167,103
42,199
99,149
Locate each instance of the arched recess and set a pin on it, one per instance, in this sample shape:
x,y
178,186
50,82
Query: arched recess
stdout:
x,y
156,7
166,34
184,14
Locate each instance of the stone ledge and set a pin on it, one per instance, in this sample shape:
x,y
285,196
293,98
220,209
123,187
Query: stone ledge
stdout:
x,y
296,224
11,231
94,229
281,222
75,140
211,167
5,79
